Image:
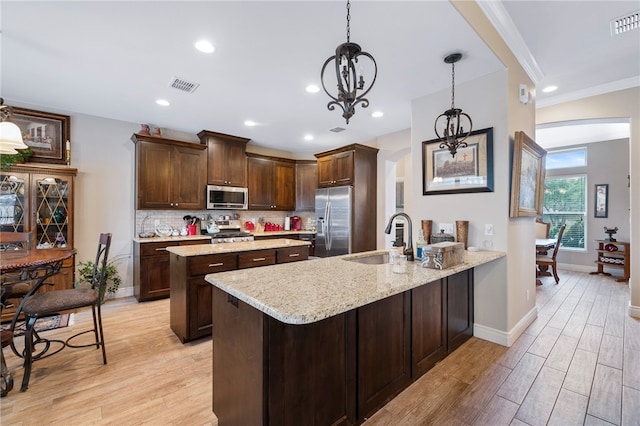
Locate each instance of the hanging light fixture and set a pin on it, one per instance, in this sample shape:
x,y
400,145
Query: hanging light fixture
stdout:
x,y
453,134
349,76
10,134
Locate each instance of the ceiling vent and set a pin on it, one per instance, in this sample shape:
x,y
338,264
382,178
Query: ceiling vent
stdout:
x,y
625,23
337,129
184,85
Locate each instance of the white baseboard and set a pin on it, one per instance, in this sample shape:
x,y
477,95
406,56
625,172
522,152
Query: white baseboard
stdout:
x,y
505,338
634,311
123,292
576,268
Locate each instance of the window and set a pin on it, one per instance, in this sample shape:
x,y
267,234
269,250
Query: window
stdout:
x,y
565,203
566,158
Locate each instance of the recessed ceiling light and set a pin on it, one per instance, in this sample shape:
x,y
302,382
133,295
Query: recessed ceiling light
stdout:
x,y
308,137
204,46
250,123
163,102
549,89
377,114
312,88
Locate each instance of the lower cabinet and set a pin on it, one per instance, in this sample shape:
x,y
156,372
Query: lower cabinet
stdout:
x,y
337,371
151,268
190,307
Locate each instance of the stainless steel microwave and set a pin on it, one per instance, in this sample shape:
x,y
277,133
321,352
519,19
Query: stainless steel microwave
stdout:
x,y
227,198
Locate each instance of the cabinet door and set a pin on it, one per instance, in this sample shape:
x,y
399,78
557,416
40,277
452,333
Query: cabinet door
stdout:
x,y
306,185
459,308
53,196
154,277
343,168
260,179
200,309
189,178
284,186
429,332
15,190
154,166
325,171
236,165
217,167
384,351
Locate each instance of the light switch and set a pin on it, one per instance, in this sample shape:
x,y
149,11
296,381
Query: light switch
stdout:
x,y
488,229
448,228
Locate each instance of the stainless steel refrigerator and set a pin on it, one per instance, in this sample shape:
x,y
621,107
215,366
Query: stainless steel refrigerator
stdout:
x,y
334,207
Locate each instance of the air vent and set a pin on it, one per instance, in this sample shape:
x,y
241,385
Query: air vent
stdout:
x,y
184,85
625,23
337,129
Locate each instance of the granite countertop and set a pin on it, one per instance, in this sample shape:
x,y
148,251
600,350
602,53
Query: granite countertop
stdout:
x,y
165,239
312,290
204,249
271,233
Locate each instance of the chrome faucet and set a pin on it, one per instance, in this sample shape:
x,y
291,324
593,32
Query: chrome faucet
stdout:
x,y
408,250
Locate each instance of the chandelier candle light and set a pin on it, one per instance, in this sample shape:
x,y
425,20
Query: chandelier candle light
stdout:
x,y
349,76
454,134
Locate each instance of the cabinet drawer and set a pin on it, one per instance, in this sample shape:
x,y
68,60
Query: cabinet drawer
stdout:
x,y
252,259
202,265
292,254
153,249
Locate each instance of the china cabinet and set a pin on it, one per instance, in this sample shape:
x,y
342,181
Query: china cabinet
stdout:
x,y
38,199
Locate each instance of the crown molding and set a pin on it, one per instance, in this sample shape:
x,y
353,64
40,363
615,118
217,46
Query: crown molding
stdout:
x,y
502,22
613,86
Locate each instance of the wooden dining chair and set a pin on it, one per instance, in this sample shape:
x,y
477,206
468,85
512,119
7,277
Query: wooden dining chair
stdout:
x,y
53,302
542,229
547,261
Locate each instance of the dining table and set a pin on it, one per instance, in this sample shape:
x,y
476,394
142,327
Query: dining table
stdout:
x,y
30,270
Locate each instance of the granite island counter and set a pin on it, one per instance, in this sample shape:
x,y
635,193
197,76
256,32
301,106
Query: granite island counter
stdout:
x,y
330,341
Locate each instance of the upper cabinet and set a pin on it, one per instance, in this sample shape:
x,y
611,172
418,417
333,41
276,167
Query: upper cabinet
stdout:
x,y
306,185
271,183
227,162
170,174
335,168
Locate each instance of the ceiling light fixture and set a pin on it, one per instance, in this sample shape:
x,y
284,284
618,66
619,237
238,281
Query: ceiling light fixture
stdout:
x,y
454,134
308,137
549,89
10,133
204,46
312,88
250,123
350,79
377,114
163,102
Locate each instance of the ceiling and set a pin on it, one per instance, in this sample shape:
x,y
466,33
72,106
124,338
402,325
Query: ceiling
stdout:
x,y
114,59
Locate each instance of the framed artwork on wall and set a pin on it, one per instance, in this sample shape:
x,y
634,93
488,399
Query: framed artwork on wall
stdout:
x,y
601,208
45,133
471,170
527,177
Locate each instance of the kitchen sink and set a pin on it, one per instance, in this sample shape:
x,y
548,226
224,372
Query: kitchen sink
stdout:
x,y
374,259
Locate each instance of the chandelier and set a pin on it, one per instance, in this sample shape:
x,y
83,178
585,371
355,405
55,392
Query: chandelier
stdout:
x,y
453,134
349,76
10,134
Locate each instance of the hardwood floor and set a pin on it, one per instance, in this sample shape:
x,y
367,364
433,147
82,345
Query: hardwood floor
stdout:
x,y
578,363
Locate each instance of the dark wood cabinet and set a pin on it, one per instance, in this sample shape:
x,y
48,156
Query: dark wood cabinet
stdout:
x,y
151,268
459,309
429,326
306,185
226,158
384,352
312,239
271,183
169,174
251,259
354,165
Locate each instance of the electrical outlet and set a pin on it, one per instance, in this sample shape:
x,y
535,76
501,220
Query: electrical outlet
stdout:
x,y
156,222
488,229
448,228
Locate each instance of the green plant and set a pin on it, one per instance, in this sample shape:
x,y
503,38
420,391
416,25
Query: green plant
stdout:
x,y
7,160
112,276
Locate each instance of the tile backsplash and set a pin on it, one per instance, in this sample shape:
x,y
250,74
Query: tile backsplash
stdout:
x,y
174,218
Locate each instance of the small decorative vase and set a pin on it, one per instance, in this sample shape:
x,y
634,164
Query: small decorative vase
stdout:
x,y
426,230
144,130
157,132
462,232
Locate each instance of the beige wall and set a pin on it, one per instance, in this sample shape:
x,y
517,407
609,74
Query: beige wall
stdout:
x,y
621,104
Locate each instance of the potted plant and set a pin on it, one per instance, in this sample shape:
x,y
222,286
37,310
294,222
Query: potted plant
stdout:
x,y
112,276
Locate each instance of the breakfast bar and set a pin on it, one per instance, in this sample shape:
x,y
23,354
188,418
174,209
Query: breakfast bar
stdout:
x,y
331,340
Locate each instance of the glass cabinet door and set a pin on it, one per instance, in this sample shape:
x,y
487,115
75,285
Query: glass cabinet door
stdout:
x,y
52,195
14,202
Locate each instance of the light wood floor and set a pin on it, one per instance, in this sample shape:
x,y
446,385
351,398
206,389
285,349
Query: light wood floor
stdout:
x,y
578,363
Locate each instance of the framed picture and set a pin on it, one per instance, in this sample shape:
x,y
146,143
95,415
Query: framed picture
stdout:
x,y
45,133
471,170
527,177
601,208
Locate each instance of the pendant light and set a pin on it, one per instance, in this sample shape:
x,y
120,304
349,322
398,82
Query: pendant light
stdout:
x,y
349,76
453,134
10,134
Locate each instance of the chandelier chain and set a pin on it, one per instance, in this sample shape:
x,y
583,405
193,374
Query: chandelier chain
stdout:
x,y
348,19
453,84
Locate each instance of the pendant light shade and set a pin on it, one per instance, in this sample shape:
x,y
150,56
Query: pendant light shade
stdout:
x,y
452,122
10,134
349,73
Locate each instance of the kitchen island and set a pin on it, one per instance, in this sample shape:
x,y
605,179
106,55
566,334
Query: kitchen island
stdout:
x,y
190,302
330,341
